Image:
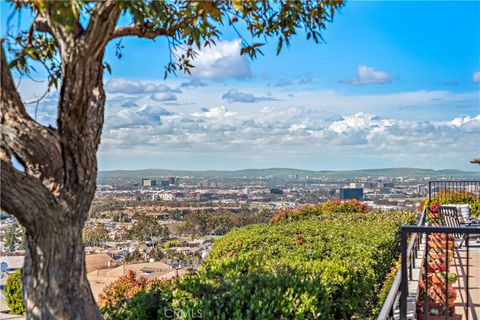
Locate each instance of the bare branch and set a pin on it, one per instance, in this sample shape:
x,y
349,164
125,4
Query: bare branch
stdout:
x,y
23,196
140,32
37,146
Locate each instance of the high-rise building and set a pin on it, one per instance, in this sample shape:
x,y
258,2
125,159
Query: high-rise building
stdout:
x,y
276,191
351,193
149,183
164,184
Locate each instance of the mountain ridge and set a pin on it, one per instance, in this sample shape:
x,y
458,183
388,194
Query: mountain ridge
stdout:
x,y
284,172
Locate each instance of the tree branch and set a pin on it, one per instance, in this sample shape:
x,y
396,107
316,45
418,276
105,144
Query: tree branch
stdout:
x,y
102,22
139,31
22,195
46,23
35,145
41,24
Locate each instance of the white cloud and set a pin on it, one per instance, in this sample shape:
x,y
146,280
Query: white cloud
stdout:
x,y
234,95
217,112
164,96
476,77
193,83
368,75
123,86
221,61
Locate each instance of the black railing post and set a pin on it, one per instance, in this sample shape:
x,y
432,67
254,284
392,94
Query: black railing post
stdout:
x,y
404,283
446,280
429,191
426,308
467,295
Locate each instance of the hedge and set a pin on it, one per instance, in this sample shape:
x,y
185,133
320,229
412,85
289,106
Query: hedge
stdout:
x,y
312,211
330,266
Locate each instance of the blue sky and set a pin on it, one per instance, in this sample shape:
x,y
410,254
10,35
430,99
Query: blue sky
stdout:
x,y
396,84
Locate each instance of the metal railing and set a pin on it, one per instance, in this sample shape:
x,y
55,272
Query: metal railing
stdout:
x,y
427,231
392,300
395,305
444,188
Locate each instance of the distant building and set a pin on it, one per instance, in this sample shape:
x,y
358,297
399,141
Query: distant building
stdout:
x,y
166,196
276,191
351,193
384,190
149,183
208,184
164,184
388,185
356,185
172,181
370,185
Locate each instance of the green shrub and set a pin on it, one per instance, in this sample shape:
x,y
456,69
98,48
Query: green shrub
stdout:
x,y
311,211
297,214
172,244
132,297
13,293
387,285
331,266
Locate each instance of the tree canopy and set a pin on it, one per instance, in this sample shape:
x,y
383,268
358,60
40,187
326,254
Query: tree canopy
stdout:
x,y
187,25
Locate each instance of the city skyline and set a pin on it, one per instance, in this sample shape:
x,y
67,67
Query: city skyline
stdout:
x,y
393,86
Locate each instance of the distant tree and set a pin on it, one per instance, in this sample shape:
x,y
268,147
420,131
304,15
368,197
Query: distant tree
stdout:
x,y
13,236
146,228
156,253
121,217
51,195
94,235
13,293
134,256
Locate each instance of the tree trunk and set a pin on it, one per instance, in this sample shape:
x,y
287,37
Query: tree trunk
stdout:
x,y
52,195
55,285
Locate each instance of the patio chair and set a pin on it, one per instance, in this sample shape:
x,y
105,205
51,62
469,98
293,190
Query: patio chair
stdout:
x,y
451,217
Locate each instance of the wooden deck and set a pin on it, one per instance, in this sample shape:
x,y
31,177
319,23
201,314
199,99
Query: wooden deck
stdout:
x,y
468,301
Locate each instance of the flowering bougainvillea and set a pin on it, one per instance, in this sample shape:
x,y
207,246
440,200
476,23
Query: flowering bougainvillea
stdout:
x,y
125,287
457,197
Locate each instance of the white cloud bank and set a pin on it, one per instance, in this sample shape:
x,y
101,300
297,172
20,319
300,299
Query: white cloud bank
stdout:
x,y
275,133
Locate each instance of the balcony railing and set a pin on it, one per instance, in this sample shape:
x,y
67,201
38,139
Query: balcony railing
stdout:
x,y
448,245
413,289
445,188
390,309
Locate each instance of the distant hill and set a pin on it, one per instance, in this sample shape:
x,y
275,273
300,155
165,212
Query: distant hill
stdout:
x,y
285,172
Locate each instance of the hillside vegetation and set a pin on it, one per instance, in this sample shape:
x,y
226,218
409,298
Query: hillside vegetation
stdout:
x,y
317,262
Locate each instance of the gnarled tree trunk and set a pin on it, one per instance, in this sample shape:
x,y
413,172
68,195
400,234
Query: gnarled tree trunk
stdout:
x,y
52,195
54,278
